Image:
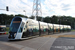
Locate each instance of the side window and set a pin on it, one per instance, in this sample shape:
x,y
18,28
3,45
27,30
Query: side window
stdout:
x,y
21,27
24,29
20,30
25,26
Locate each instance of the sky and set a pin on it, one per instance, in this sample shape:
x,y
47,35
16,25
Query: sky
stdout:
x,y
48,7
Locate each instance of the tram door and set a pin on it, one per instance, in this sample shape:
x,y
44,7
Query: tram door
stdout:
x,y
20,31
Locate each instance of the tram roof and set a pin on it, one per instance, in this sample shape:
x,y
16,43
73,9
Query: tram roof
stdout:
x,y
34,21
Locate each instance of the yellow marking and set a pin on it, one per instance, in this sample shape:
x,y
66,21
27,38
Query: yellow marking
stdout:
x,y
73,36
58,36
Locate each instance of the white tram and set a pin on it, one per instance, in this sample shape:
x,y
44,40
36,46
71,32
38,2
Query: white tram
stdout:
x,y
22,28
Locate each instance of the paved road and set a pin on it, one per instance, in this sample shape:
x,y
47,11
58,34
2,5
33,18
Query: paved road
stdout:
x,y
63,44
40,43
3,38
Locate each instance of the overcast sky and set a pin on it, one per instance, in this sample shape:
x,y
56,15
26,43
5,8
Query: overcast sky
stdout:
x,y
49,7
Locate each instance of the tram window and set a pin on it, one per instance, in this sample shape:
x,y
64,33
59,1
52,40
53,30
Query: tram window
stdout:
x,y
21,28
26,26
14,27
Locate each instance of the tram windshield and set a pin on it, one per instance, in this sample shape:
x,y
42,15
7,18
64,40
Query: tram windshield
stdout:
x,y
15,25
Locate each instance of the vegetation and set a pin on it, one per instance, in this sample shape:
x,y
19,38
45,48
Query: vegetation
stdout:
x,y
7,28
64,20
73,30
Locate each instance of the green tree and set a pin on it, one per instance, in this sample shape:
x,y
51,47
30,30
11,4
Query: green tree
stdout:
x,y
47,19
54,19
20,15
39,18
32,17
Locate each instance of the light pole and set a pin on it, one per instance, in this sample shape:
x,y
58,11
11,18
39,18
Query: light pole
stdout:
x,y
59,24
53,24
67,24
25,12
7,9
63,24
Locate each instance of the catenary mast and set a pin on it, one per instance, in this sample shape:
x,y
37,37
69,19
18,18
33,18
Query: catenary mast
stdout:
x,y
36,8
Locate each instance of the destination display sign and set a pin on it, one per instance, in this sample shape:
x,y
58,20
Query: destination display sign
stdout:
x,y
16,21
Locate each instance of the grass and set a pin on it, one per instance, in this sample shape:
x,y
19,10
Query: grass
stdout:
x,y
6,32
72,30
7,29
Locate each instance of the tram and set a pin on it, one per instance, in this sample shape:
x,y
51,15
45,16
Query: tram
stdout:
x,y
2,29
23,28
